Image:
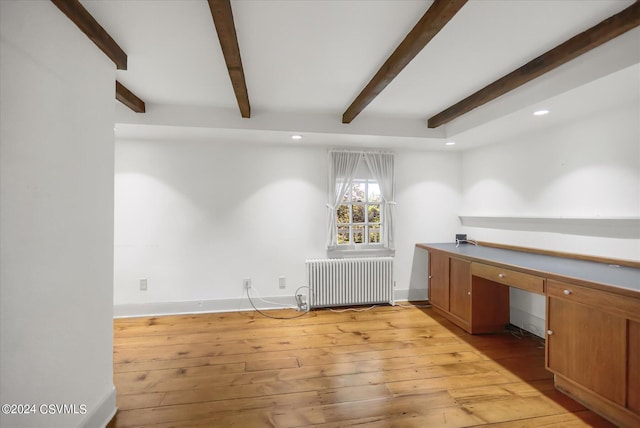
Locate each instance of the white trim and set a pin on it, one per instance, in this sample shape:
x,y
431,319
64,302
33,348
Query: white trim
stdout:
x,y
103,412
352,251
200,306
614,227
229,305
527,321
411,295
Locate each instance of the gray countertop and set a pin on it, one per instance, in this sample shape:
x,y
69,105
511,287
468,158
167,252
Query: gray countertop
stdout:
x,y
598,273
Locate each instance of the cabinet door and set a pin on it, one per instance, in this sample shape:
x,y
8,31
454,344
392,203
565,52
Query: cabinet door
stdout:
x,y
460,289
633,399
588,346
439,280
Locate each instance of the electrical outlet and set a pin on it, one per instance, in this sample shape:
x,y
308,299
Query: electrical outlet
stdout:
x,y
246,283
143,284
282,282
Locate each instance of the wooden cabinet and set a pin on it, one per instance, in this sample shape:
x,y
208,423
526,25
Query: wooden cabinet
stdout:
x,y
593,315
593,349
633,387
460,289
475,304
439,280
523,281
588,346
489,306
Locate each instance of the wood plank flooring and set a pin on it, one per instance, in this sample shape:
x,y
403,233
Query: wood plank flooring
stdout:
x,y
387,367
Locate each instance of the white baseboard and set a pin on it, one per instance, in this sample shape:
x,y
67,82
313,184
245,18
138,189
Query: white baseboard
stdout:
x,y
411,294
200,306
103,412
527,321
228,305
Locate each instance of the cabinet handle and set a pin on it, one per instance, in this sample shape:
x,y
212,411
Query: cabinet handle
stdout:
x,y
501,275
567,292
549,332
429,276
469,293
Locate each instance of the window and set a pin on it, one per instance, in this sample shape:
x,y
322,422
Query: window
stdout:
x,y
360,199
359,214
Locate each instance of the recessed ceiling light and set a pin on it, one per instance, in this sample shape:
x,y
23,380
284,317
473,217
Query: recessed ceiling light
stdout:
x,y
296,137
450,143
540,112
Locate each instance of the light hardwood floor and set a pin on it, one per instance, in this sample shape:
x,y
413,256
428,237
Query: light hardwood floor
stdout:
x,y
387,367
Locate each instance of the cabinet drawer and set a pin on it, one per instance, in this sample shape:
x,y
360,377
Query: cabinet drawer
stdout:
x,y
532,283
624,306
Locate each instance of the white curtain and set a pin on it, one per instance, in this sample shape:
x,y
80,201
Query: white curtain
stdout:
x,y
382,169
342,168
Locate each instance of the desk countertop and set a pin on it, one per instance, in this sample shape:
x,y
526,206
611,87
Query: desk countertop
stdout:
x,y
623,277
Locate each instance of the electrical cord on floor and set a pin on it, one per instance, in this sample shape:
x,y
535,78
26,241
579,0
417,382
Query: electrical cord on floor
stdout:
x,y
271,316
520,333
268,301
353,309
331,309
375,306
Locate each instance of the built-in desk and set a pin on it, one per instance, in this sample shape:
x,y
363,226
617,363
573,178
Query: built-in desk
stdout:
x,y
592,315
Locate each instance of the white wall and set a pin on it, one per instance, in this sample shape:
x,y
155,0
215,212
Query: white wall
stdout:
x,y
428,196
587,167
56,220
196,217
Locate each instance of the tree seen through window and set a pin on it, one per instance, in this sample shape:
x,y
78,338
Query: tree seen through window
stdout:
x,y
358,216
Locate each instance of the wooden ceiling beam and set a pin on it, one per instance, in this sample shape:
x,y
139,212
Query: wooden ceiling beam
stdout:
x,y
595,36
89,26
434,19
223,21
128,98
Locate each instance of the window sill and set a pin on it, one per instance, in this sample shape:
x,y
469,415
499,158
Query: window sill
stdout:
x,y
341,253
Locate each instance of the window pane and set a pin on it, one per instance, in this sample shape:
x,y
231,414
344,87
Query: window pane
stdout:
x,y
374,192
374,213
345,197
342,214
374,235
343,235
358,234
358,213
359,217
357,192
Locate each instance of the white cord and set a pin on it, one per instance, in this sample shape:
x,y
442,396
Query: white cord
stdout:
x,y
267,301
470,241
353,309
375,306
271,316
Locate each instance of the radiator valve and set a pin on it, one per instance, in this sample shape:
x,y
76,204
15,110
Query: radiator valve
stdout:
x,y
302,305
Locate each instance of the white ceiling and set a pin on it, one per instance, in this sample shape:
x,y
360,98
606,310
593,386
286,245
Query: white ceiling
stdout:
x,y
306,60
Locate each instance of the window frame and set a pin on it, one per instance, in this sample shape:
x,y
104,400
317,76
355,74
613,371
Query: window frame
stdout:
x,y
345,169
366,225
